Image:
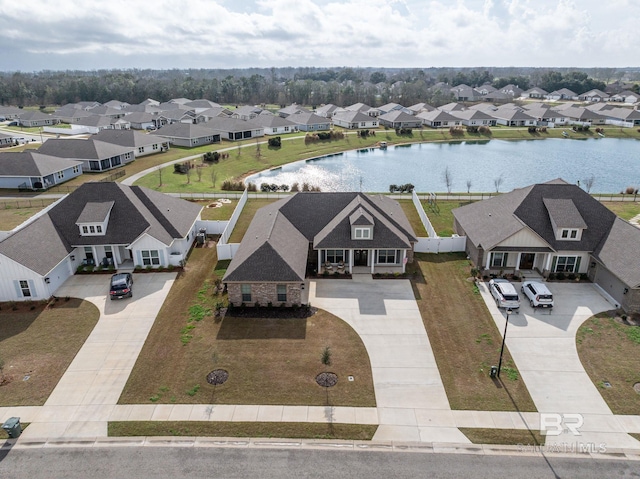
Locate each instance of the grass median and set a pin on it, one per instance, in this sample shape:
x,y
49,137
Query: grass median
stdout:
x,y
464,338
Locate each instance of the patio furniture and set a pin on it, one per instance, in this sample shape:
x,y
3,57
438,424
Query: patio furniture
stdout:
x,y
328,267
341,267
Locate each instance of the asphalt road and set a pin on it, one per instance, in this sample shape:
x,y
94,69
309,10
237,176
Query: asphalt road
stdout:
x,y
211,463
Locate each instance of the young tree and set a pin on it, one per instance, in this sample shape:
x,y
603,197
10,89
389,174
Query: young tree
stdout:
x,y
258,152
326,356
199,173
159,168
497,182
188,172
448,178
214,177
468,186
588,183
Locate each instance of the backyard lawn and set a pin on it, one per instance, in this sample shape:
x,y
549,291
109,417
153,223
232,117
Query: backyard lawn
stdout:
x,y
464,338
624,209
441,216
15,212
610,353
270,360
413,217
37,345
221,213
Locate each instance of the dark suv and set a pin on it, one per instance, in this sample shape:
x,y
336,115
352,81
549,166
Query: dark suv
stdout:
x,y
121,285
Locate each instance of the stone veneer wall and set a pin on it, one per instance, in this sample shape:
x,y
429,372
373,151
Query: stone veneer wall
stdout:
x,y
265,293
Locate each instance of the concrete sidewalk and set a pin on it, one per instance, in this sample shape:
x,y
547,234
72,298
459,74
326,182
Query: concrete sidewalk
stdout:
x,y
412,403
88,391
543,346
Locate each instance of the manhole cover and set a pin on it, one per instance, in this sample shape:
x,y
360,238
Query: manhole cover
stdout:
x,y
636,387
327,380
217,376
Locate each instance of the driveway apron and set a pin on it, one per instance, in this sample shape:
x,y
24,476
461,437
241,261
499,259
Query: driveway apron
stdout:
x,y
543,345
412,403
87,393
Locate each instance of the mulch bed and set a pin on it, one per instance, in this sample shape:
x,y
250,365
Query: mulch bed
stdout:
x,y
276,312
327,380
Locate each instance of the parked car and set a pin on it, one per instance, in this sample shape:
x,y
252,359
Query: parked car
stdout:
x,y
121,285
538,294
13,123
504,293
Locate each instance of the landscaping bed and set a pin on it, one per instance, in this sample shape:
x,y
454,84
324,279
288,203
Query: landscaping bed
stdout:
x,y
38,341
464,337
270,360
609,349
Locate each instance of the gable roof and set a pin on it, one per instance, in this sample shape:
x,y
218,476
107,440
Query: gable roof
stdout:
x,y
82,149
352,116
32,163
308,118
127,138
183,130
397,115
271,121
563,213
95,212
620,252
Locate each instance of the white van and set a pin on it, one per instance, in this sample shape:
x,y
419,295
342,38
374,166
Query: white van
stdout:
x,y
538,294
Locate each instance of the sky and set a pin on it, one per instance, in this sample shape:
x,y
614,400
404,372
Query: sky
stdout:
x,y
163,34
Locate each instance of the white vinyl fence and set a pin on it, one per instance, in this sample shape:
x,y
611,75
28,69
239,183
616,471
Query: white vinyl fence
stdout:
x,y
434,243
224,249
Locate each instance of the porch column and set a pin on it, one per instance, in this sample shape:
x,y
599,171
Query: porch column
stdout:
x,y
547,264
518,261
114,256
373,259
351,261
319,260
404,260
488,263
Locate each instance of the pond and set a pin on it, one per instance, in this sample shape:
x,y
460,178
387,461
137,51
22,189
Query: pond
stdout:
x,y
615,164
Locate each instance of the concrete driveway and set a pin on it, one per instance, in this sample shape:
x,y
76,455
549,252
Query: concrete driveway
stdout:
x,y
412,403
89,390
542,343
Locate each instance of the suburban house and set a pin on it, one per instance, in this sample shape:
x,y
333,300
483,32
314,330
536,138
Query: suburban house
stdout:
x,y
177,115
464,92
99,223
354,119
6,139
535,92
234,128
562,94
328,110
246,112
513,117
307,121
626,96
364,108
393,107
291,110
474,118
594,95
584,116
306,232
141,120
274,124
141,143
622,116
187,134
96,123
399,119
554,227
512,90
35,118
9,112
438,119
117,104
420,107
30,170
95,155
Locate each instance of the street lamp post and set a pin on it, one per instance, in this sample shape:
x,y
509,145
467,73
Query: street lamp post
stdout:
x,y
504,339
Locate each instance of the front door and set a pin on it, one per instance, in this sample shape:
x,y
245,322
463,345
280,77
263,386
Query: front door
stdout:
x,y
526,260
360,257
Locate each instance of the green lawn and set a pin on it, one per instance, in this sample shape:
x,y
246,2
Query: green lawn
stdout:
x,y
15,212
610,353
270,360
37,345
503,436
360,432
413,217
464,337
624,209
441,215
223,212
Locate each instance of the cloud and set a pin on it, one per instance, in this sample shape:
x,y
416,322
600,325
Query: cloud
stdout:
x,y
405,33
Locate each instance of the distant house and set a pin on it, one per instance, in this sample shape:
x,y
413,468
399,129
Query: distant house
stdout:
x,y
513,117
628,116
187,134
535,92
96,123
389,107
594,95
399,119
354,119
562,94
30,170
626,96
554,228
584,116
103,110
327,111
99,223
245,112
141,120
274,124
95,155
364,108
34,118
474,118
420,107
512,90
438,119
7,139
178,115
351,231
291,109
234,129
310,121
117,104
141,143
9,112
464,92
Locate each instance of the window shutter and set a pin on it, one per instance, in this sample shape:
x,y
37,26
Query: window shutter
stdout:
x,y
139,257
577,264
553,264
18,289
161,256
504,259
32,288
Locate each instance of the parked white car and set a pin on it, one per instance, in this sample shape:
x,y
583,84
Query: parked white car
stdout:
x,y
538,294
504,293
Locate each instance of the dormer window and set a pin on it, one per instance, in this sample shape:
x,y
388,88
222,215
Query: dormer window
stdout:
x,y
94,219
362,233
569,234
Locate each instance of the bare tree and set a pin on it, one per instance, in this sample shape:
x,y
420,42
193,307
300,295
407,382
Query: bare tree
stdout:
x,y
258,151
497,182
588,183
188,173
159,168
214,177
239,150
468,186
199,173
448,178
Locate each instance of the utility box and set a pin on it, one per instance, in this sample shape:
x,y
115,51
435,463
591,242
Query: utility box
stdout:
x,y
493,372
13,427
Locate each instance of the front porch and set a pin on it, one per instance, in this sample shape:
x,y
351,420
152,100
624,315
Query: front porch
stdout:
x,y
361,261
534,262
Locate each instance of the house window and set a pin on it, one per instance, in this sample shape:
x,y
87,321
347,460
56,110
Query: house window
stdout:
x,y
99,229
274,130
141,149
150,257
85,230
387,256
60,175
127,156
363,233
155,147
334,255
498,260
566,264
286,128
92,230
24,287
88,252
76,169
282,293
245,289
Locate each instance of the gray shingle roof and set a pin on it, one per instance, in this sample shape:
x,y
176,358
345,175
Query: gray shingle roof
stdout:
x,y
563,213
226,124
95,212
82,149
352,116
127,138
31,163
271,121
184,130
308,118
620,252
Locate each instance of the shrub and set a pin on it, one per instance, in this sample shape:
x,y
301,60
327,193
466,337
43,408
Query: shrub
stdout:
x,y
456,131
571,276
484,130
181,168
630,190
532,129
230,185
472,129
295,187
552,276
404,132
275,142
560,276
